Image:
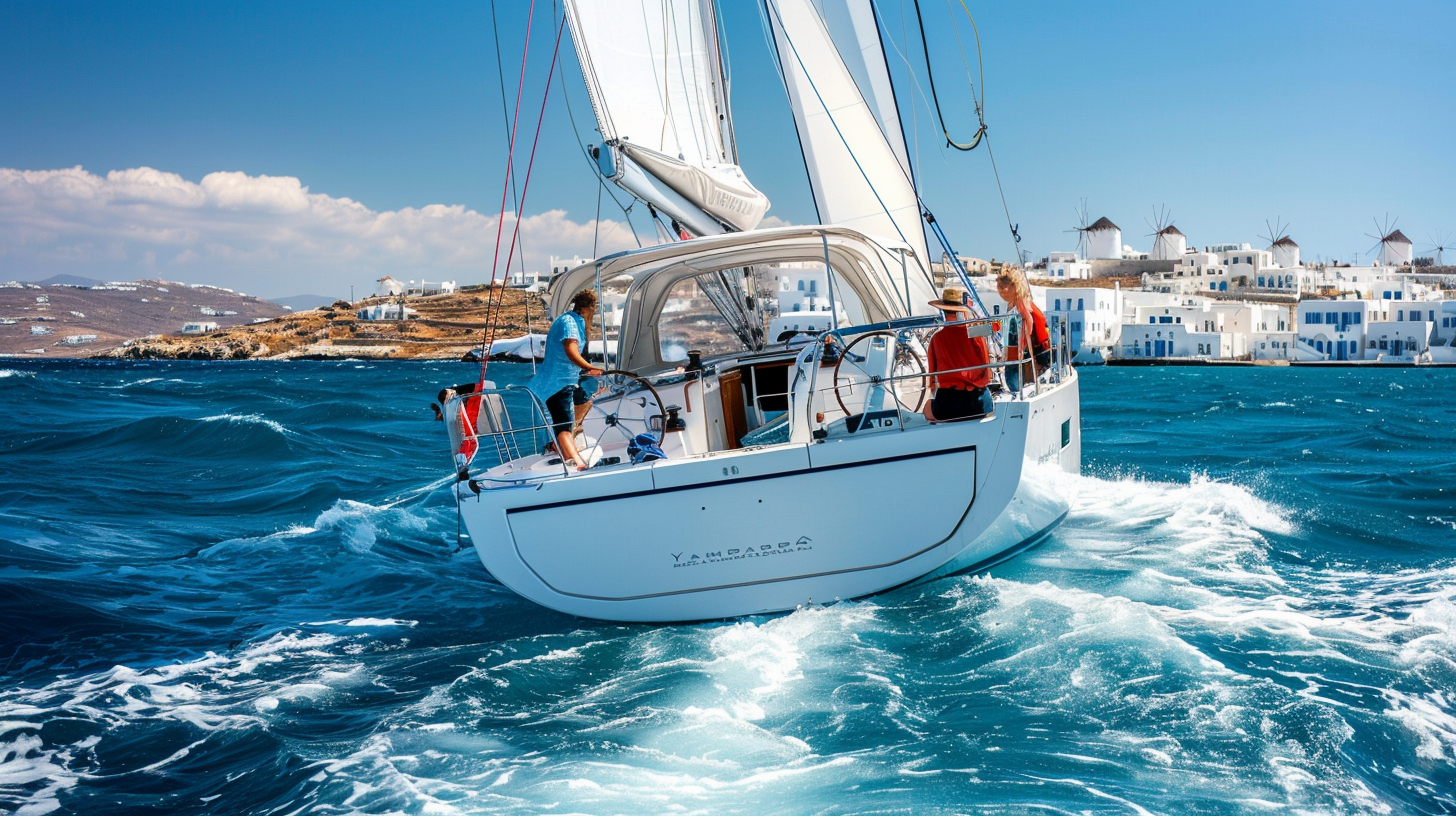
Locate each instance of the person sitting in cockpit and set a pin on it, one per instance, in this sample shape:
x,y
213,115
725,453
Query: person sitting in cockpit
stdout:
x,y
957,393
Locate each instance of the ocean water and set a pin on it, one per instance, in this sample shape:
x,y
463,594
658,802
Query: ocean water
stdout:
x,y
238,588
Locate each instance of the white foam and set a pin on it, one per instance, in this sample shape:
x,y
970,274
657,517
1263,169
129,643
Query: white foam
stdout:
x,y
10,372
248,419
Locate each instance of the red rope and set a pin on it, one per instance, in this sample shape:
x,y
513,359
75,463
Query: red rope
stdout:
x,y
470,416
505,192
526,185
492,311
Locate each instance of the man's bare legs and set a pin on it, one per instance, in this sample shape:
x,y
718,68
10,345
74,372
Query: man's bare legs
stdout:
x,y
566,440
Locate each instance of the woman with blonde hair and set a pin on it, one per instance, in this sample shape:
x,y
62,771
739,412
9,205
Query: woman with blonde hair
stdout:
x,y
1029,333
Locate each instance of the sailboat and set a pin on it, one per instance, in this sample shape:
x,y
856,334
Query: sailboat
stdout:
x,y
787,467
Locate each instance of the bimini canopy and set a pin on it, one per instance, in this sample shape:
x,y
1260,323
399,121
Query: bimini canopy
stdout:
x,y
874,272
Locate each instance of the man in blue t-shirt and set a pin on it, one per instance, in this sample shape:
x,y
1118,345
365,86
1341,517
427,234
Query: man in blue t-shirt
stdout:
x,y
558,379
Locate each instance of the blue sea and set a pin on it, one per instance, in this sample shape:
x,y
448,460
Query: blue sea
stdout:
x,y
239,588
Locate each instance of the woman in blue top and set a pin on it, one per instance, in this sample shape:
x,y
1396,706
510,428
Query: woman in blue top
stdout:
x,y
558,379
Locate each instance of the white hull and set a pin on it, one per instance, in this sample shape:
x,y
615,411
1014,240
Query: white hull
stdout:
x,y
769,529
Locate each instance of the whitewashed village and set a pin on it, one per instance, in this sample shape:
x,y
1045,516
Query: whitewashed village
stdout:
x,y
1175,303
1235,302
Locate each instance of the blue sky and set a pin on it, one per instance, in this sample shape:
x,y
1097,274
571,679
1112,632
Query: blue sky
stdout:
x,y
1322,114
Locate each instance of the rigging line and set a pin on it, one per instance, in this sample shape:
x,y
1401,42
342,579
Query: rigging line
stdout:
x,y
666,100
596,173
930,74
505,118
961,47
501,221
725,72
778,65
526,183
700,138
597,224
914,80
980,101
1015,235
830,115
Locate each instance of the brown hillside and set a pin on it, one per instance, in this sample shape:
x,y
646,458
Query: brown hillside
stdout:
x,y
114,313
446,327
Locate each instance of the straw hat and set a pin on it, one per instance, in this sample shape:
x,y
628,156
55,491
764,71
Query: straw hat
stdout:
x,y
952,299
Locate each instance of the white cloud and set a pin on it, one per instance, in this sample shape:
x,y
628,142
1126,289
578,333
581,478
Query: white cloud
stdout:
x,y
262,234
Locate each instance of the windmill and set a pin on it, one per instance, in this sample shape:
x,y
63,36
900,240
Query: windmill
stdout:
x,y
1391,243
1438,246
1168,241
1276,233
1286,252
1081,230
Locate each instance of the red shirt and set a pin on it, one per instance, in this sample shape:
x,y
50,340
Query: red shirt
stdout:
x,y
1041,339
952,348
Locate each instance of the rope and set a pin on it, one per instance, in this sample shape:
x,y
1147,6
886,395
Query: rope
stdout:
x,y
525,189
505,119
979,101
930,73
501,221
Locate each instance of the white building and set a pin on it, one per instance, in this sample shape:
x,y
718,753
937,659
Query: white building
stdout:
x,y
200,327
1067,266
559,265
1443,336
1360,330
803,300
424,288
388,310
1093,317
78,339
1228,267
530,281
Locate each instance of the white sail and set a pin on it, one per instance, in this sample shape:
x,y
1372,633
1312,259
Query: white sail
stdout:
x,y
854,29
654,75
859,179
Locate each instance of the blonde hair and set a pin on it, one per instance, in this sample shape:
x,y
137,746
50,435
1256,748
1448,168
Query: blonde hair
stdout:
x,y
1017,281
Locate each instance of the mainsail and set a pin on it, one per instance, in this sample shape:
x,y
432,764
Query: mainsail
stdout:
x,y
657,87
857,167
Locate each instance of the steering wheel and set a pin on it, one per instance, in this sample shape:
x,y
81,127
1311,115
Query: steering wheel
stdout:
x,y
905,378
628,403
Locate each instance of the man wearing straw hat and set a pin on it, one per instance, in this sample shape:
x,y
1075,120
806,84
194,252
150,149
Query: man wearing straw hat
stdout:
x,y
959,379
